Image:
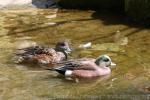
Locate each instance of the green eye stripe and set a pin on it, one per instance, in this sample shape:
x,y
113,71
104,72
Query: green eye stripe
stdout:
x,y
106,60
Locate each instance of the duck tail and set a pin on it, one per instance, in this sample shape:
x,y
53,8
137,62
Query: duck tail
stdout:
x,y
50,69
61,70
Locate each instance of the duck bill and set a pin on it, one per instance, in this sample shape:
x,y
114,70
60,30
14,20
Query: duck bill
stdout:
x,y
68,50
113,64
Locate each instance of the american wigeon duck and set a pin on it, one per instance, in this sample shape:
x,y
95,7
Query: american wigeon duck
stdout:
x,y
44,55
86,68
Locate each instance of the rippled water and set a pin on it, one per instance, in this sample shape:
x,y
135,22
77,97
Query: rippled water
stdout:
x,y
111,34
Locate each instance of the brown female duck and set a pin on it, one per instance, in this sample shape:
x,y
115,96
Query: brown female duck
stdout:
x,y
86,68
43,55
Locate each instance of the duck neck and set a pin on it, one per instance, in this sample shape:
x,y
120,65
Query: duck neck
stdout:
x,y
66,55
97,62
58,50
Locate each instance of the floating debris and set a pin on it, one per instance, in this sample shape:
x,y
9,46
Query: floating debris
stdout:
x,y
114,79
114,47
118,31
85,46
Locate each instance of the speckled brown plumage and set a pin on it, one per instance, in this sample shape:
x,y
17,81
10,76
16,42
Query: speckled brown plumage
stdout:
x,y
43,55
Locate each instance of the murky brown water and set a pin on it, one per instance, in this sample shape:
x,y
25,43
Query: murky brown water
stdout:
x,y
111,34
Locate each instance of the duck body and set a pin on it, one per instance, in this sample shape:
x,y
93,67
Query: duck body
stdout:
x,y
41,55
83,69
86,68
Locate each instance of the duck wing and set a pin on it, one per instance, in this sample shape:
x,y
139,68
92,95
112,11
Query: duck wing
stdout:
x,y
74,65
34,53
30,50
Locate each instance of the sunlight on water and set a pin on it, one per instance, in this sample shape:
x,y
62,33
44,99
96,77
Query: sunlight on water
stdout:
x,y
127,44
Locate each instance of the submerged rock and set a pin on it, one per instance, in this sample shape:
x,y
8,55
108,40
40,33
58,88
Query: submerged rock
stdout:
x,y
114,47
27,3
120,39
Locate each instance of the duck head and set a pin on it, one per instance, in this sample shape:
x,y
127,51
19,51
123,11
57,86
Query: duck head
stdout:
x,y
63,46
104,61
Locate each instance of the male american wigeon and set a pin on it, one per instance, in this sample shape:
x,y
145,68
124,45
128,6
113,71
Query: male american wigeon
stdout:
x,y
44,55
86,68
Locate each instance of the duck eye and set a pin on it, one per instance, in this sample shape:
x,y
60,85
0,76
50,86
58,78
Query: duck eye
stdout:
x,y
106,60
63,44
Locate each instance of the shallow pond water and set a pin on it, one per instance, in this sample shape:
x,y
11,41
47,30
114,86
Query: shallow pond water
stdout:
x,y
112,34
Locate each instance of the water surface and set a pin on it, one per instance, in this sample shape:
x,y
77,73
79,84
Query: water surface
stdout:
x,y
112,34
